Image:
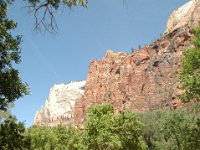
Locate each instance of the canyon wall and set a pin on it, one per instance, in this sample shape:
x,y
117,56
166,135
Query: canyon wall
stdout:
x,y
145,80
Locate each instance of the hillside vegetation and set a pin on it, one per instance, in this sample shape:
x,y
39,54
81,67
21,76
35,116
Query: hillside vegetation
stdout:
x,y
161,129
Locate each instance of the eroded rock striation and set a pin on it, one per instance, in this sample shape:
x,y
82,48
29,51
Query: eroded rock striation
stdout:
x,y
60,103
145,80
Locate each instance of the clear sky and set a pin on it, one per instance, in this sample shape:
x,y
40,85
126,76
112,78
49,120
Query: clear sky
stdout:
x,y
83,34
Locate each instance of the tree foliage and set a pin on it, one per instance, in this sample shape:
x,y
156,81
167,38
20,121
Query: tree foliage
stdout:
x,y
182,131
67,138
190,73
163,129
12,135
105,130
171,129
56,138
99,133
5,114
11,86
42,138
129,129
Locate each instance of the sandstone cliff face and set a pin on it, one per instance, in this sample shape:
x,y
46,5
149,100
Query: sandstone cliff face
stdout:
x,y
145,80
186,15
59,104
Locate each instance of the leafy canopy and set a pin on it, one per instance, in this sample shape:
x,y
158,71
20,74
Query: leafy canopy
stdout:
x,y
57,138
106,130
182,131
172,129
12,135
163,129
11,86
103,130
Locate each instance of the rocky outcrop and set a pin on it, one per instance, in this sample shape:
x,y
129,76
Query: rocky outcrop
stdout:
x,y
186,15
59,105
145,80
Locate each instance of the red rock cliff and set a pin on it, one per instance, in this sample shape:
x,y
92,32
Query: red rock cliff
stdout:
x,y
147,79
144,80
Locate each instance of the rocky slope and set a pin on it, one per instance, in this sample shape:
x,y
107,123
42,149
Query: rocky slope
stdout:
x,y
147,79
59,104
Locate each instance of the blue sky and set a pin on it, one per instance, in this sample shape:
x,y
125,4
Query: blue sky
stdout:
x,y
83,34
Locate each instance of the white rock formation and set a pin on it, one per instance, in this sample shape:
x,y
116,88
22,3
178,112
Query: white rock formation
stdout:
x,y
59,105
188,14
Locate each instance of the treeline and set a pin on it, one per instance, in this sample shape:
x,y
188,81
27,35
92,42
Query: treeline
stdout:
x,y
158,130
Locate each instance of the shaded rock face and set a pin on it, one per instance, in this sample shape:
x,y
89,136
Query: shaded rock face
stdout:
x,y
59,105
186,15
145,80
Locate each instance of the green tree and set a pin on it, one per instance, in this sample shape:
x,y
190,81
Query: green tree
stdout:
x,y
5,114
171,129
104,130
182,131
11,86
190,73
153,129
129,129
68,138
12,135
56,138
99,133
42,138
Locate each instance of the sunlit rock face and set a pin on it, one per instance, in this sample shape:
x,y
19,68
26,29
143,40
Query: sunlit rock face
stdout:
x,y
147,79
144,80
60,103
186,15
